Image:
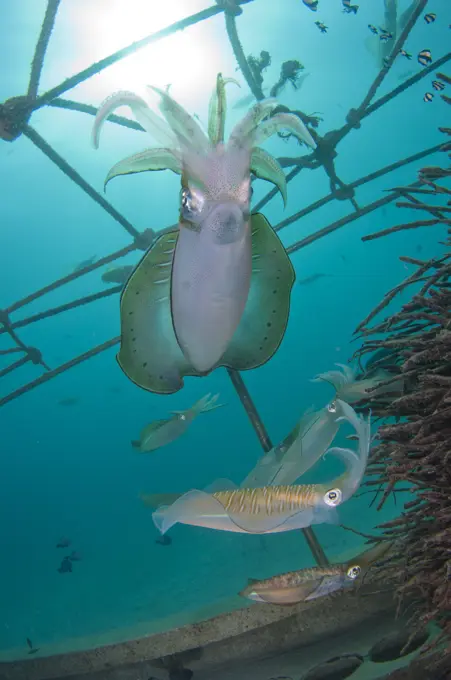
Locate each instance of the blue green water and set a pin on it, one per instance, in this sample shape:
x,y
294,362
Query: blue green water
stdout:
x,y
70,471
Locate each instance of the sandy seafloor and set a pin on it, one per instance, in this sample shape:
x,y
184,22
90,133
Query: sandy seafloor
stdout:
x,y
292,664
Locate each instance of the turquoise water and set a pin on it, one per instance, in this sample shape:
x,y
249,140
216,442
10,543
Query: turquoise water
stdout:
x,y
69,471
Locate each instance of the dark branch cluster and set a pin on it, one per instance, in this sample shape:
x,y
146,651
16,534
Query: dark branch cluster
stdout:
x,y
414,443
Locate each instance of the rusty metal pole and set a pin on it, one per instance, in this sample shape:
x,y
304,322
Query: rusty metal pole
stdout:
x,y
260,430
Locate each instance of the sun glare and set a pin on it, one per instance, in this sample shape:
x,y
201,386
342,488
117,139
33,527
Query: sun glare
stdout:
x,y
188,61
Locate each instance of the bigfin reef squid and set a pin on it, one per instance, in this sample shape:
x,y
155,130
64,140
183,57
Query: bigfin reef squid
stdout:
x,y
299,451
215,291
351,389
309,584
162,432
272,509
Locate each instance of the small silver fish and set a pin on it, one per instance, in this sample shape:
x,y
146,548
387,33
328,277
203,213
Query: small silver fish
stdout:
x,y
85,263
162,432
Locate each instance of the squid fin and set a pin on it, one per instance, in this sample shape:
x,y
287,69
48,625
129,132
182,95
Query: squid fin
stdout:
x,y
265,316
149,354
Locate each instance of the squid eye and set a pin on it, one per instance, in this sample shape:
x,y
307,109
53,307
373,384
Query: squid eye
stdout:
x,y
353,572
333,497
191,203
332,407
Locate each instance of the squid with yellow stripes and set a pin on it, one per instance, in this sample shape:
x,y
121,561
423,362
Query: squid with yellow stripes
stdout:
x,y
273,509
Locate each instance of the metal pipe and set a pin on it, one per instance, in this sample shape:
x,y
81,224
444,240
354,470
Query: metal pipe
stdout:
x,y
263,437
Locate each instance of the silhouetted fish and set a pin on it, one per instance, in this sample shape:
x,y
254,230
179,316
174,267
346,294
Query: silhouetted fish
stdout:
x,y
63,542
164,540
174,664
337,668
32,650
68,401
66,566
380,354
310,279
311,4
391,646
85,263
75,556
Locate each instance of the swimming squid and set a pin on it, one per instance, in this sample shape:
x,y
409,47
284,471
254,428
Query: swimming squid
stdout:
x,y
272,509
299,451
214,292
162,432
351,389
304,585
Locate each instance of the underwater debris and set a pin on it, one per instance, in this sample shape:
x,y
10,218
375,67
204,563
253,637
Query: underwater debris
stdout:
x,y
417,450
258,65
163,432
14,116
291,71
